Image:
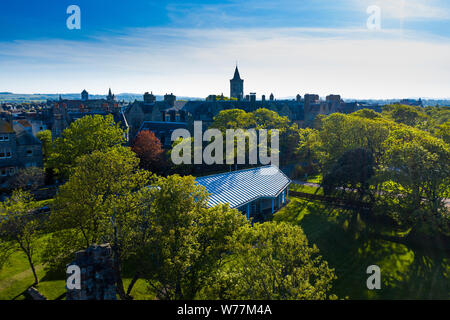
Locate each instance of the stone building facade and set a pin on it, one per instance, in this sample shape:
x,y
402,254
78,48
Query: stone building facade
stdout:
x,y
19,148
171,113
61,113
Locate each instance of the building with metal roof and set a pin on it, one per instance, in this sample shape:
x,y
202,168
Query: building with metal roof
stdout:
x,y
257,192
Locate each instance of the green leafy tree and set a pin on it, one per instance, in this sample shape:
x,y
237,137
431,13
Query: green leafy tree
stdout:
x,y
439,114
45,137
84,136
273,261
189,241
260,119
341,133
20,228
232,119
309,149
409,115
443,132
268,119
367,113
352,172
100,203
417,171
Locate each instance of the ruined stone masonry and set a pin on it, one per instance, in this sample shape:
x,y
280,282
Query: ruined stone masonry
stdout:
x,y
97,274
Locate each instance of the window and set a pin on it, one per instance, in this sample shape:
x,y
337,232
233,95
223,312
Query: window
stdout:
x,y
5,153
29,153
168,117
3,172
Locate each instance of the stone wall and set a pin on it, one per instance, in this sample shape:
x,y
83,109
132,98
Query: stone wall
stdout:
x,y
97,274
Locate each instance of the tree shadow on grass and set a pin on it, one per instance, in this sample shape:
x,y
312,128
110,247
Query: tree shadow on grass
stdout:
x,y
350,243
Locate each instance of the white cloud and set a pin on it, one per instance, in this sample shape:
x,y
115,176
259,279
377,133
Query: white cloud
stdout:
x,y
410,9
194,62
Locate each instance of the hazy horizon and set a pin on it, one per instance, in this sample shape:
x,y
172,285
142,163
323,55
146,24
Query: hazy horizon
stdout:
x,y
191,49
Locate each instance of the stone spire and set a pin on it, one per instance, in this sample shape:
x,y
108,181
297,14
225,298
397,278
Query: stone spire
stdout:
x,y
236,85
236,74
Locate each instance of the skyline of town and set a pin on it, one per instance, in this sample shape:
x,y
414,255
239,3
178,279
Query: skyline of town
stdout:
x,y
160,95
188,48
216,156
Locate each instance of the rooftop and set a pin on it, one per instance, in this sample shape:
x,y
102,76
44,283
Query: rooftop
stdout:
x,y
5,127
240,187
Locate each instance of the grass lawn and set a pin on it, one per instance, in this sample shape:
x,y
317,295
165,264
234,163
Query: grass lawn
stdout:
x,y
315,179
342,241
350,249
305,189
16,277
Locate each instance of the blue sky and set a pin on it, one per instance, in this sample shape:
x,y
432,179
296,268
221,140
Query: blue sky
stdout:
x,y
190,47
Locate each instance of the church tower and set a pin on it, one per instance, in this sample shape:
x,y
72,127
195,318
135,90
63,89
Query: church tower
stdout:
x,y
110,96
237,86
84,95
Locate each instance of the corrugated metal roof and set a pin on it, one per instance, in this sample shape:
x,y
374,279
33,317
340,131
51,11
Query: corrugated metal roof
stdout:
x,y
240,187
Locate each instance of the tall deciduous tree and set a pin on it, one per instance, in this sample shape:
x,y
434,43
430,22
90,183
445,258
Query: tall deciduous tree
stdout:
x,y
99,203
84,136
149,150
20,228
443,132
341,133
45,137
273,261
409,115
351,172
261,119
418,168
189,241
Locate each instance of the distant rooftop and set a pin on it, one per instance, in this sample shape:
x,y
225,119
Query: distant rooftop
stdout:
x,y
5,127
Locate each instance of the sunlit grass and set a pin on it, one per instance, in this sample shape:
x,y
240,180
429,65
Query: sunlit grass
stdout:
x,y
350,248
16,277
